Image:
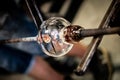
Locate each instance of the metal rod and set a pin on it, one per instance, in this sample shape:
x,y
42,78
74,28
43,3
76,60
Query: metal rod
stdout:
x,y
97,32
28,5
37,18
26,39
38,12
81,69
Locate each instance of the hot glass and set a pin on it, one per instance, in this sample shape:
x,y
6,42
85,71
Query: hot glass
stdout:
x,y
51,37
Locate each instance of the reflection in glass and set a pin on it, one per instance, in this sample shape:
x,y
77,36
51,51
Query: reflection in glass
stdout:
x,y
51,37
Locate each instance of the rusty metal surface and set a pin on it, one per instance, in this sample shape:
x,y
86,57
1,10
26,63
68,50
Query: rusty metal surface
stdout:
x,y
26,39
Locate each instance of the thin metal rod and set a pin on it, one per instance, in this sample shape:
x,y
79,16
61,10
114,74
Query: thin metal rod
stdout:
x,y
28,5
38,12
26,39
97,32
37,18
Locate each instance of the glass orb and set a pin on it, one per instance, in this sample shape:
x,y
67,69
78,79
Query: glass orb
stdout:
x,y
51,37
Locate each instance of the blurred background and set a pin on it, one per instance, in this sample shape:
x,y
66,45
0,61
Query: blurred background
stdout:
x,y
88,14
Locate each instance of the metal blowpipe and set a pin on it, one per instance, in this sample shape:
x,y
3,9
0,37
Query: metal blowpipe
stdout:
x,y
75,33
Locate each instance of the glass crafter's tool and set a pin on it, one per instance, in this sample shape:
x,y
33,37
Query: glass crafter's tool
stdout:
x,y
56,35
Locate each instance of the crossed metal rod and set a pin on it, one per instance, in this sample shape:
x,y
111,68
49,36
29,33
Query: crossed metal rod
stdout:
x,y
102,30
81,69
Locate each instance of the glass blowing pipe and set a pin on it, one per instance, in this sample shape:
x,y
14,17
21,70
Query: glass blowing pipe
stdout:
x,y
75,33
72,33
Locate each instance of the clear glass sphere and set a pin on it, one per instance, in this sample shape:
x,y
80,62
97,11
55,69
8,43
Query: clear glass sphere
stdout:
x,y
51,37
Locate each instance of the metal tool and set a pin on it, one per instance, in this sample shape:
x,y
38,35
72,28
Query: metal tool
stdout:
x,y
81,69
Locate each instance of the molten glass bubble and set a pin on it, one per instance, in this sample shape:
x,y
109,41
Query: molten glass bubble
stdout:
x,y
51,37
